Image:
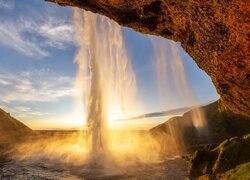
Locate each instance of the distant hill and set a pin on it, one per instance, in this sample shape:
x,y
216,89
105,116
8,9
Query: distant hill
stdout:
x,y
221,125
12,130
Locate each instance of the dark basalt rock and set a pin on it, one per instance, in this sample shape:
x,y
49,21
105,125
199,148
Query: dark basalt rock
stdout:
x,y
226,156
215,33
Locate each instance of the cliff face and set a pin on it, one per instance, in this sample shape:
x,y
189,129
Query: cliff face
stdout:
x,y
215,33
221,126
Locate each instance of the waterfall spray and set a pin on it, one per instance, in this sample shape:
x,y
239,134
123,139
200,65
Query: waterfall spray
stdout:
x,y
106,81
105,68
170,63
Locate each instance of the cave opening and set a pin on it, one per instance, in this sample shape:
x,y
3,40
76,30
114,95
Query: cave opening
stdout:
x,y
151,130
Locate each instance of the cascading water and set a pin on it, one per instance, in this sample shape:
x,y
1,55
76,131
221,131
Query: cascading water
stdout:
x,y
106,81
171,76
104,65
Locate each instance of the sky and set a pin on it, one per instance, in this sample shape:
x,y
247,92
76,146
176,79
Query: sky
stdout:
x,y
37,69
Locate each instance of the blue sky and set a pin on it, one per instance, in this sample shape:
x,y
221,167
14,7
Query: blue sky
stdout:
x,y
37,70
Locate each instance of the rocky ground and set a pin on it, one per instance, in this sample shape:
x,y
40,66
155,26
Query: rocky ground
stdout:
x,y
221,153
231,159
41,169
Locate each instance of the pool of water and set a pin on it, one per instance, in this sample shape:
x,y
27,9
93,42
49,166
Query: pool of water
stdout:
x,y
172,169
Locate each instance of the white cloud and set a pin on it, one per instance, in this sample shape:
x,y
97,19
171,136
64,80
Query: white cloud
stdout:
x,y
57,35
6,4
11,35
23,112
35,86
34,35
20,90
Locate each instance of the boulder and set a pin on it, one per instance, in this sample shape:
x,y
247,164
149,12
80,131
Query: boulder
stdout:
x,y
229,154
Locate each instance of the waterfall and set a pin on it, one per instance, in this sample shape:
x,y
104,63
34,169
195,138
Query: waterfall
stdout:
x,y
107,84
171,76
105,77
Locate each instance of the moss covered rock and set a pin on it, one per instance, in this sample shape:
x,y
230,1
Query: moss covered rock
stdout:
x,y
226,156
240,172
201,163
231,153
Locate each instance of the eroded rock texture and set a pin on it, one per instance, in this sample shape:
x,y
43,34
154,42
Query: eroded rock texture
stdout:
x,y
226,156
215,33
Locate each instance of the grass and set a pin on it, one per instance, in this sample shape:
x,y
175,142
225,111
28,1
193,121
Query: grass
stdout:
x,y
241,172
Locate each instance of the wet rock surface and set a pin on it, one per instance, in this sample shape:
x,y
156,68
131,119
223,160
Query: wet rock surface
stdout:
x,y
214,33
226,156
174,169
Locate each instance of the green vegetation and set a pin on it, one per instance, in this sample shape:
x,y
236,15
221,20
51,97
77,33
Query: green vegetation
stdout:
x,y
241,172
222,160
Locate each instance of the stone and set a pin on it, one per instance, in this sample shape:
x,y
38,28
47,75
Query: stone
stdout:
x,y
227,156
